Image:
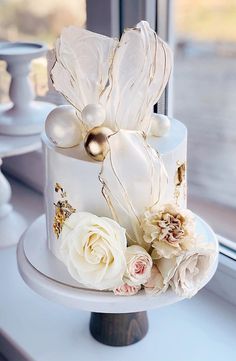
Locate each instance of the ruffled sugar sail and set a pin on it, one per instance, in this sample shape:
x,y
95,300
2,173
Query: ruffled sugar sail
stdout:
x,y
83,59
133,178
140,71
126,77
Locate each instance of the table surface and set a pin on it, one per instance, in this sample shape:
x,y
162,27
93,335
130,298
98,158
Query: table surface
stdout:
x,y
202,328
16,145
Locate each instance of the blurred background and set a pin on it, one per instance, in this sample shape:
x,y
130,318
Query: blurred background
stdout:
x,y
204,87
205,100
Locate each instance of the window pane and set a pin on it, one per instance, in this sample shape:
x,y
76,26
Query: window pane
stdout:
x,y
205,100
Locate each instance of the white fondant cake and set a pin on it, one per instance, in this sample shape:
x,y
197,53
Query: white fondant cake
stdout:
x,y
77,174
115,188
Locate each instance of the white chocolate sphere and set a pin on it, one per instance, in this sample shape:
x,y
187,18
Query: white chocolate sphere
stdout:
x,y
93,115
160,125
62,127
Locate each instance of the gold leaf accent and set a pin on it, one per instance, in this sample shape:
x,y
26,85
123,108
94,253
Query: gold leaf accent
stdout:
x,y
63,210
58,189
180,175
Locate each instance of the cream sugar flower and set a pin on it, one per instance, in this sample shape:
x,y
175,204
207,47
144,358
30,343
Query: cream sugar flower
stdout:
x,y
155,284
93,249
189,271
169,230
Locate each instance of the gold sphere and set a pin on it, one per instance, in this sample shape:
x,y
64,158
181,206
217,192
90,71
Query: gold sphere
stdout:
x,y
96,144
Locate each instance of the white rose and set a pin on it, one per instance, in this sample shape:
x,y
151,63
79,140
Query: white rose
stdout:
x,y
93,249
169,230
187,273
138,265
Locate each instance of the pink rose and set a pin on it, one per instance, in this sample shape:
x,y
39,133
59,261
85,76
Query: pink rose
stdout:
x,y
138,266
126,290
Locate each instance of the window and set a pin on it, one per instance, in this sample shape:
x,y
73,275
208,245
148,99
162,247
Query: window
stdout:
x,y
204,99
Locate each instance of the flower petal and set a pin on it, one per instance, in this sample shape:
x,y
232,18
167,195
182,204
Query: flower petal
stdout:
x,y
93,250
189,271
155,284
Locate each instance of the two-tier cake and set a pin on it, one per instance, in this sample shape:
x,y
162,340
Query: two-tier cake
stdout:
x,y
116,172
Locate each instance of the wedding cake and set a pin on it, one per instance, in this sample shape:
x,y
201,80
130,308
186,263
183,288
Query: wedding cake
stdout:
x,y
115,187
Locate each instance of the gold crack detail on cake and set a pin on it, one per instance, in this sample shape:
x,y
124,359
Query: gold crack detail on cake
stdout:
x,y
180,174
58,189
179,180
63,210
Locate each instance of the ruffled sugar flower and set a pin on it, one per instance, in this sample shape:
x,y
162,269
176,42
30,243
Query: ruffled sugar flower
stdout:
x,y
126,290
189,271
138,266
93,249
169,230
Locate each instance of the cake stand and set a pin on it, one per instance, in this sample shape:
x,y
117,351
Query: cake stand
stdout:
x,y
115,320
12,224
24,115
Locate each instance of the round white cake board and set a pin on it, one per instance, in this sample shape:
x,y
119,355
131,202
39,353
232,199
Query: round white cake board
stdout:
x,y
46,275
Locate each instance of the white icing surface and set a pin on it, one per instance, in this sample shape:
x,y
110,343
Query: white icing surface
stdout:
x,y
77,173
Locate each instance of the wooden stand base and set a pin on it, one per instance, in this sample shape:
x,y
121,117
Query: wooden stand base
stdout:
x,y
119,329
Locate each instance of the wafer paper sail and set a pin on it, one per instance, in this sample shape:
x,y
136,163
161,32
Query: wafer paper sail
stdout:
x,y
140,71
127,77
133,178
83,59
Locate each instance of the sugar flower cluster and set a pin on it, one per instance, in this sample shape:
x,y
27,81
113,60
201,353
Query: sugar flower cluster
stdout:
x,y
97,254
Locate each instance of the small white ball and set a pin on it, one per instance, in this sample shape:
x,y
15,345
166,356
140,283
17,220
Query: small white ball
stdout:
x,y
93,115
62,127
160,125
